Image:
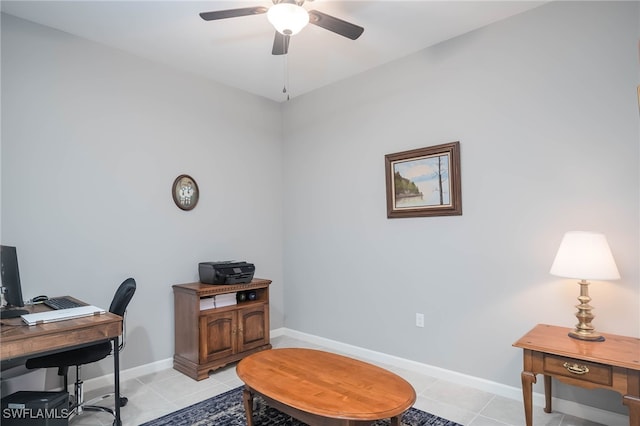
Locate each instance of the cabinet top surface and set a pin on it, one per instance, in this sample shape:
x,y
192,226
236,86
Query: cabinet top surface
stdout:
x,y
207,289
326,384
616,350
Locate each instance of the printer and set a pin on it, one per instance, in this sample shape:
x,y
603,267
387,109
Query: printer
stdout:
x,y
227,272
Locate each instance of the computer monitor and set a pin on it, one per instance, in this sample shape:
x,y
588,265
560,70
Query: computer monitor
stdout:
x,y
11,282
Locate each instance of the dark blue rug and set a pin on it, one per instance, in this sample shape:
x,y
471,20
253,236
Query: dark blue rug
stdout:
x,y
227,409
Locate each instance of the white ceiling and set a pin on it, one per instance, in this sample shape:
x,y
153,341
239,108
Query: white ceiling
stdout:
x,y
237,51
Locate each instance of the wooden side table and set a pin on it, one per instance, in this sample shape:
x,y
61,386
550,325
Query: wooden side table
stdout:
x,y
613,364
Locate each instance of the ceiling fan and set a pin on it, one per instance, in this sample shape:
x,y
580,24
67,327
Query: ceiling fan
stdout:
x,y
289,17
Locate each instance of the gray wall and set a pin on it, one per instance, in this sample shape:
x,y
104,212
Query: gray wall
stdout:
x,y
545,108
92,140
544,105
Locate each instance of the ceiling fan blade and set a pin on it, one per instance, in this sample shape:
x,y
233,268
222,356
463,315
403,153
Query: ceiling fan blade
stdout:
x,y
280,44
335,25
232,13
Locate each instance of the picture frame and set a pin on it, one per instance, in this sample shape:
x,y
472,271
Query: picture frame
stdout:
x,y
185,192
424,182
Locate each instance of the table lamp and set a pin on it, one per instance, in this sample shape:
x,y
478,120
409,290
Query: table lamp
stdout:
x,y
585,255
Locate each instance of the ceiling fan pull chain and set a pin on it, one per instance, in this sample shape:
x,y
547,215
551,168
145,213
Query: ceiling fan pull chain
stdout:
x,y
286,75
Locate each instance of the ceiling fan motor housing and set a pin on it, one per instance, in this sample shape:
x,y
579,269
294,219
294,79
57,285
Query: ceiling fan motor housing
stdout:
x,y
298,2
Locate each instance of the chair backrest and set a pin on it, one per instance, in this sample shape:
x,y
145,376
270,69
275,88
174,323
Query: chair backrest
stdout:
x,y
123,296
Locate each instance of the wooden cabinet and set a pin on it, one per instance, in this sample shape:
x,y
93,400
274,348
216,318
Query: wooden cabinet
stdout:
x,y
212,337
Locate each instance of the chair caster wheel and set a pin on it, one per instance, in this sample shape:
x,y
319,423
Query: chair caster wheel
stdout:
x,y
123,401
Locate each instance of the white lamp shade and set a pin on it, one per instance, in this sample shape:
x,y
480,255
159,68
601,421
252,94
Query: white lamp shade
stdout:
x,y
585,255
288,18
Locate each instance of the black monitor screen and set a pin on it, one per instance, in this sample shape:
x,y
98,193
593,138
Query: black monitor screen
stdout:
x,y
10,276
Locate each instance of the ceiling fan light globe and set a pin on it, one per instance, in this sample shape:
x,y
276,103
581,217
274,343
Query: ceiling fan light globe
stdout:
x,y
288,18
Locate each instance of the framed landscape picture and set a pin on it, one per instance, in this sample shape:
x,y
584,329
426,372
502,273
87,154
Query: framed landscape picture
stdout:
x,y
424,182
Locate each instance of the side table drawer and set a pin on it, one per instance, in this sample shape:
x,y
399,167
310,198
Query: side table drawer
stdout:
x,y
578,369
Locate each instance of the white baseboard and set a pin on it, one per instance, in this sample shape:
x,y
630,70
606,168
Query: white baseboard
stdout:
x,y
568,407
128,374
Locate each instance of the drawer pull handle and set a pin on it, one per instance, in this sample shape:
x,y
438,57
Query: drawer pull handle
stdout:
x,y
575,368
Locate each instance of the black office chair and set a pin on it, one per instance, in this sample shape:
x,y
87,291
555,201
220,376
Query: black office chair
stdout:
x,y
88,354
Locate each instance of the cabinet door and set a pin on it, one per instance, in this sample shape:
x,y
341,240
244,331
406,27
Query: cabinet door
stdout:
x,y
217,336
253,327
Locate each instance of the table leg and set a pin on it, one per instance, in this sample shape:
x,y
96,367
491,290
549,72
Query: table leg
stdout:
x,y
547,394
116,373
528,379
247,397
395,421
633,403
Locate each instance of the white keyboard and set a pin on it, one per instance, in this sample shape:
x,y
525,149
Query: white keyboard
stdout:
x,y
61,314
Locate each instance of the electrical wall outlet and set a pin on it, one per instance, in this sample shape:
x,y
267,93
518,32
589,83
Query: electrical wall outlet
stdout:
x,y
419,320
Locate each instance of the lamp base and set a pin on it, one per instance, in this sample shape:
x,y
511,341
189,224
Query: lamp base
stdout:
x,y
584,330
591,337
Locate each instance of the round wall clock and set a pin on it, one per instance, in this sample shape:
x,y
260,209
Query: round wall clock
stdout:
x,y
185,192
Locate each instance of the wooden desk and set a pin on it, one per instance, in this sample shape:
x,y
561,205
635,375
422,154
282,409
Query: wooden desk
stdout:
x,y
22,341
613,364
322,388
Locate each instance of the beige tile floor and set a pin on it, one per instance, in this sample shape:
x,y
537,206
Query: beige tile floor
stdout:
x,y
166,391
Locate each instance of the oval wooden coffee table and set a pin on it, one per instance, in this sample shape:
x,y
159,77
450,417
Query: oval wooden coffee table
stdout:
x,y
318,387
